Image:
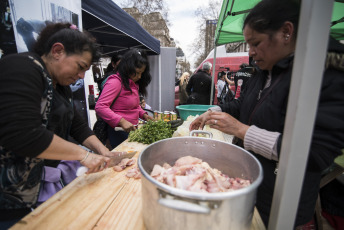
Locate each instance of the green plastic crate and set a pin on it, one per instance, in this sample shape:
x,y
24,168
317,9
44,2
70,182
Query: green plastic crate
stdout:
x,y
193,110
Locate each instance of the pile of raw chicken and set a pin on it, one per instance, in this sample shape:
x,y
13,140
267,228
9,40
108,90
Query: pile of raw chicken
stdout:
x,y
126,162
192,174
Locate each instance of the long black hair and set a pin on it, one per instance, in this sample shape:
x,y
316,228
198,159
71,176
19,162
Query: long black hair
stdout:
x,y
131,60
115,58
74,41
269,15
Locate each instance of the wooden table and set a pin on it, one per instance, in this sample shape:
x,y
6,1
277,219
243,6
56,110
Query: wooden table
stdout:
x,y
104,200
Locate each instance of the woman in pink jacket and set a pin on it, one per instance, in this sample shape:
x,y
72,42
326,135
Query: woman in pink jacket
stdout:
x,y
119,102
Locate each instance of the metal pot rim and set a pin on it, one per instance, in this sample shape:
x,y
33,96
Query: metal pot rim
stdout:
x,y
198,195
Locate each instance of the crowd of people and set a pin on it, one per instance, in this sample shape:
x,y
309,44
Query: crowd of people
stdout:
x,y
41,127
196,89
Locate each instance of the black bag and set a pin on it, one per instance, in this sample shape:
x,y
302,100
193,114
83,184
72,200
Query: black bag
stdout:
x,y
100,130
100,127
226,95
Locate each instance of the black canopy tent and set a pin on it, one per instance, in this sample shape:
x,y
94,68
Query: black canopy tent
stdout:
x,y
114,29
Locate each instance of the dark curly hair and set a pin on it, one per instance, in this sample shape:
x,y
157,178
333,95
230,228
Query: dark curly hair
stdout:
x,y
131,60
74,41
115,58
269,15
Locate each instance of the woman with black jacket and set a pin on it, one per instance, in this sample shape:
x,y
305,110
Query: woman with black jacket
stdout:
x,y
257,118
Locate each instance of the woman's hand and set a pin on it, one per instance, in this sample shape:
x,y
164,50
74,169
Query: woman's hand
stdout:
x,y
230,82
227,124
199,122
126,125
146,117
94,162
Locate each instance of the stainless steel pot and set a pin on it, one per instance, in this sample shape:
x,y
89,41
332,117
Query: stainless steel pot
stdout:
x,y
165,207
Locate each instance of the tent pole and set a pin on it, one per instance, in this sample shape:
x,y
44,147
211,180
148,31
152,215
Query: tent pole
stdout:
x,y
213,77
160,86
310,54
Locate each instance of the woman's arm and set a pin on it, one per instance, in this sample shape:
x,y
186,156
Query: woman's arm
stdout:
x,y
60,149
230,83
258,140
112,89
93,143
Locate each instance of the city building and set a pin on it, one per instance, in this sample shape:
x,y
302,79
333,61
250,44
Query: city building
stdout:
x,y
156,25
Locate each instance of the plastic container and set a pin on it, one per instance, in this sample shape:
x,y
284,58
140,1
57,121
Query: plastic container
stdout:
x,y
169,208
187,110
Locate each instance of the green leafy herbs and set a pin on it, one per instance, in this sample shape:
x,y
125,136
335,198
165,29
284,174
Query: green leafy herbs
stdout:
x,y
151,132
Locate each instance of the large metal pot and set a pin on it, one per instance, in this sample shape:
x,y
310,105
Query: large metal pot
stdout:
x,y
165,207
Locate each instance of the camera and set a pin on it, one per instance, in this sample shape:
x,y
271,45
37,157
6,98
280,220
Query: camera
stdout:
x,y
227,68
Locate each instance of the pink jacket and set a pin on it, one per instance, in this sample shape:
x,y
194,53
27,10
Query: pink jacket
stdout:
x,y
127,105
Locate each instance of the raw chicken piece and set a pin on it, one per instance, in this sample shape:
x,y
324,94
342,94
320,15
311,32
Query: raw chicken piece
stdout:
x,y
166,166
123,164
157,170
188,160
134,173
190,173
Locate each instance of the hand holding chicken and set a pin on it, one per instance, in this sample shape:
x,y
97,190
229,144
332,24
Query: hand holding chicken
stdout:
x,y
222,122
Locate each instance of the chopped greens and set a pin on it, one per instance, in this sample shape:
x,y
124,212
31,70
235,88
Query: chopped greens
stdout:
x,y
151,132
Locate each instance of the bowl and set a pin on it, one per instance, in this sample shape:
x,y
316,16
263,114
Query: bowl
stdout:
x,y
169,208
193,110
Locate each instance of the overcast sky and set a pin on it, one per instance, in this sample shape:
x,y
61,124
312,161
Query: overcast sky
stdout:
x,y
184,23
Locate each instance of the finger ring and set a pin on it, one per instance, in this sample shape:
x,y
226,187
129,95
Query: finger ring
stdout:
x,y
215,121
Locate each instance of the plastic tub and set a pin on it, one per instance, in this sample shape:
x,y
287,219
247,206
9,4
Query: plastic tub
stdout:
x,y
193,110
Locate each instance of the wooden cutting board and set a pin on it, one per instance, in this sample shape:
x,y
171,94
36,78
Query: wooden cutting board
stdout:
x,y
103,200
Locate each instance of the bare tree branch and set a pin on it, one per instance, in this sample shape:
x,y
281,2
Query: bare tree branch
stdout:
x,y
211,12
149,6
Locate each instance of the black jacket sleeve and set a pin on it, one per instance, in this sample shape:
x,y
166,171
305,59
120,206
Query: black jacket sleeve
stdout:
x,y
189,85
328,135
21,89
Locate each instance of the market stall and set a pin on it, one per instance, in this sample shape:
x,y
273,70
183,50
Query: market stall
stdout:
x,y
115,29
104,200
112,199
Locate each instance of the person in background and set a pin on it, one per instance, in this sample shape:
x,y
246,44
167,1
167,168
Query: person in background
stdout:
x,y
226,94
124,88
199,86
112,66
38,116
230,82
272,41
221,86
96,73
241,77
183,82
110,69
143,103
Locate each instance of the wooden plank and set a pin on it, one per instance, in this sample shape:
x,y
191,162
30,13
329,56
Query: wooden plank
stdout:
x,y
126,211
104,200
79,205
257,223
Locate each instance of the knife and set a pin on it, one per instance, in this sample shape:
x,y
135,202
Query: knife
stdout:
x,y
114,161
119,156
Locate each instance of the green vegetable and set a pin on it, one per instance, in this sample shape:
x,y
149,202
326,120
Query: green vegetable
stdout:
x,y
151,132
